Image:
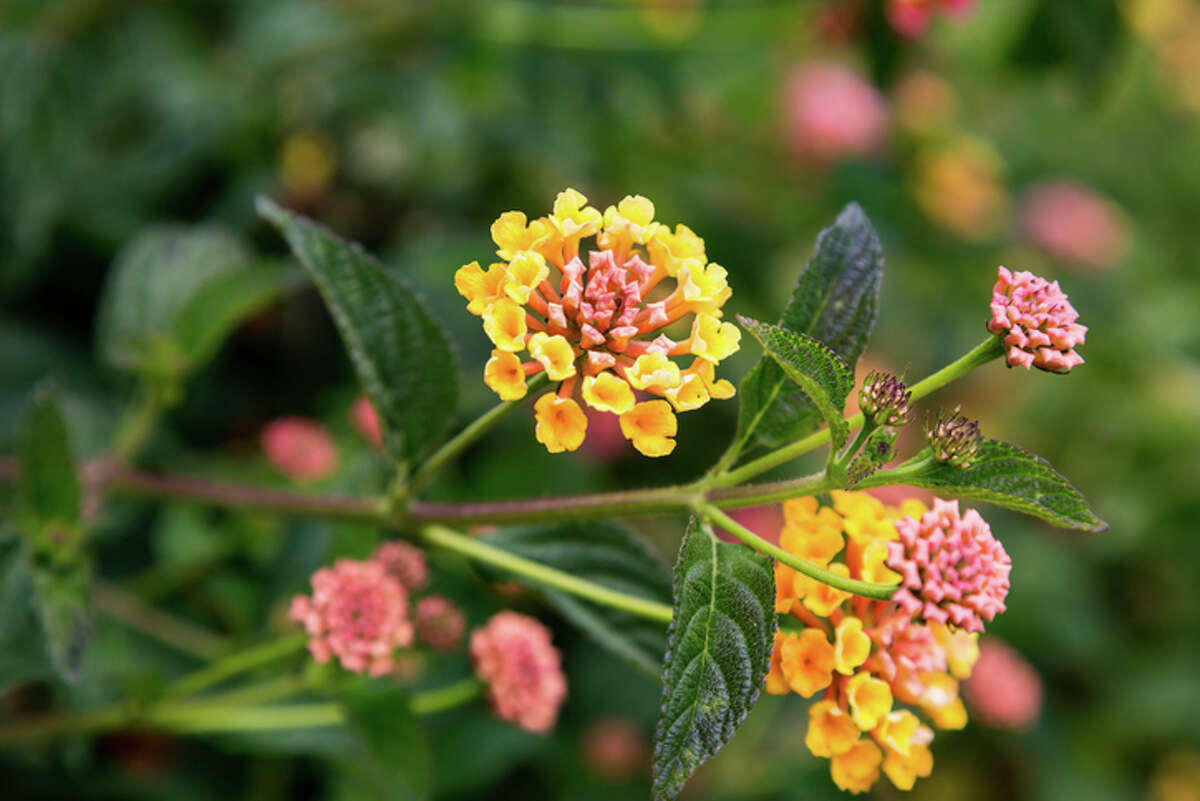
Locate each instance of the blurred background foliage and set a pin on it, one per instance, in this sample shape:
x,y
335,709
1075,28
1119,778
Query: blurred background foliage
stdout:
x,y
1060,137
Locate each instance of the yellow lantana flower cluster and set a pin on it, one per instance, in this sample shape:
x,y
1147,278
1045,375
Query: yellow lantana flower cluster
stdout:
x,y
597,328
864,657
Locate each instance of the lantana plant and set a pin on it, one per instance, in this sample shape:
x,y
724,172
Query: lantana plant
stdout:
x,y
871,610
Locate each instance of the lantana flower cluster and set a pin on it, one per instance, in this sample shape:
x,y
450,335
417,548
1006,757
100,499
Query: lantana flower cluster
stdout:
x,y
866,658
595,319
523,670
1036,322
361,611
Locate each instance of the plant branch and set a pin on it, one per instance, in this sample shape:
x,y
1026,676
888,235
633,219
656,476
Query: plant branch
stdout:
x,y
547,576
981,354
440,699
465,438
864,588
168,629
237,663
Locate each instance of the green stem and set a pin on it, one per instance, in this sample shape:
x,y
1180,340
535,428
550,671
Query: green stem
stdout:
x,y
196,718
442,698
981,354
237,663
463,440
261,692
904,473
864,588
138,423
168,629
546,576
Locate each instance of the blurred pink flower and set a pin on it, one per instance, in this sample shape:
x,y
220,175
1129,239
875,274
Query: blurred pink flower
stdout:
x,y
615,748
1036,321
1004,690
300,448
522,668
832,113
605,443
366,421
358,612
911,17
1074,224
440,624
406,563
952,570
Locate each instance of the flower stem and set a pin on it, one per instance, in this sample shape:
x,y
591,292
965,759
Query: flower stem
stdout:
x,y
903,473
981,354
237,663
481,551
442,698
463,439
139,421
864,588
180,634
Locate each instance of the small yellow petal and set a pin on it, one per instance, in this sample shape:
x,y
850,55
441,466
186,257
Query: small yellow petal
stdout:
x,y
505,375
504,323
561,424
650,425
608,393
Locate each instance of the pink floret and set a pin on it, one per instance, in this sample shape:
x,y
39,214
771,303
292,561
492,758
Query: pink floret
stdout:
x,y
952,569
1036,322
406,563
522,668
358,612
440,624
300,448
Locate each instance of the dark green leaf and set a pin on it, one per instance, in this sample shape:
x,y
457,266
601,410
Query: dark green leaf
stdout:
x,y
21,654
158,277
402,358
1010,476
834,302
609,555
47,488
823,376
719,652
394,762
214,311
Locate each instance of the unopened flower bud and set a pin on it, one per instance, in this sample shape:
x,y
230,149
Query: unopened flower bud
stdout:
x,y
883,399
878,451
954,438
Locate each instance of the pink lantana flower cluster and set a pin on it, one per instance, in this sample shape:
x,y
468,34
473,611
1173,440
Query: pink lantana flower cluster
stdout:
x,y
1036,321
595,320
300,448
359,611
952,570
522,668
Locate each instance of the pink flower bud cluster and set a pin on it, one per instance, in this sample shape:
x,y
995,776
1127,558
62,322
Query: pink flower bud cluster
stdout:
x,y
522,668
359,610
1036,321
301,449
952,569
1005,691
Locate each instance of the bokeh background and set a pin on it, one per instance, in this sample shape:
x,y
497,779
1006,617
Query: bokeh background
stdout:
x,y
1061,137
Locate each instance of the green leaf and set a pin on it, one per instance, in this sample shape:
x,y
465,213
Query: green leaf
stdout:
x,y
217,308
719,652
609,555
393,762
407,367
834,302
174,293
820,372
47,502
1010,476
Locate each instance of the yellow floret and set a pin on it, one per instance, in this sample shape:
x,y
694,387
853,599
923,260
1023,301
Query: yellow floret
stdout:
x,y
870,700
478,287
561,424
857,769
821,598
717,390
851,646
526,270
705,288
512,235
897,730
572,216
504,323
905,769
690,394
712,339
606,392
505,376
555,353
650,424
654,372
830,730
668,251
807,662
